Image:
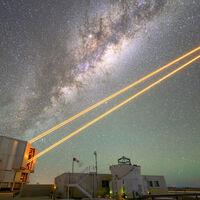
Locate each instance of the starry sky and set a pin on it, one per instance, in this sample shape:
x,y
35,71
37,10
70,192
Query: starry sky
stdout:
x,y
60,57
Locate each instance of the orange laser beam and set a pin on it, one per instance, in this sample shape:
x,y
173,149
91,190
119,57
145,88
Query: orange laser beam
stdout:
x,y
112,109
110,97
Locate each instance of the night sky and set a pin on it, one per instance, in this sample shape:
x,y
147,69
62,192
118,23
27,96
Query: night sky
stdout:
x,y
60,57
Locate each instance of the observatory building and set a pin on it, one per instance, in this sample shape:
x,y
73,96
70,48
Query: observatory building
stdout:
x,y
125,180
14,166
128,181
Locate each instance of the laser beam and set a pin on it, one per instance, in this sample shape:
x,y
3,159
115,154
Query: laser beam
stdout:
x,y
113,109
111,96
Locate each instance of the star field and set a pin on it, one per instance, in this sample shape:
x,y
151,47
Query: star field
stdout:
x,y
60,57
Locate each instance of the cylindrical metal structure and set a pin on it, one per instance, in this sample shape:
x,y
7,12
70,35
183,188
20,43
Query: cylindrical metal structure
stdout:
x,y
14,167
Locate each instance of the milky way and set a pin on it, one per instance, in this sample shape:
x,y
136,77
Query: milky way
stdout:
x,y
59,57
54,69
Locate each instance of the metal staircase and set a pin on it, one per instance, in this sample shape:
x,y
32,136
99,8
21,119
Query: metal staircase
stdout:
x,y
81,189
77,183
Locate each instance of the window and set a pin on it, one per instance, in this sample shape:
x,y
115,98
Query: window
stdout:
x,y
156,184
153,184
105,184
150,183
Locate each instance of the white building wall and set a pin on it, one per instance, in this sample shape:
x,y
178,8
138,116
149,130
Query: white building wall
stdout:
x,y
61,184
126,179
161,188
88,183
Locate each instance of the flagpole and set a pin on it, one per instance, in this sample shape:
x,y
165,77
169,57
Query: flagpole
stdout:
x,y
72,166
96,162
72,178
95,154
